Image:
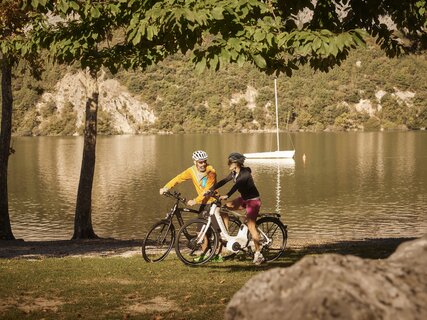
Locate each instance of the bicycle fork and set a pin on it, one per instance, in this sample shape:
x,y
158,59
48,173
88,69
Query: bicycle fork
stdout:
x,y
202,233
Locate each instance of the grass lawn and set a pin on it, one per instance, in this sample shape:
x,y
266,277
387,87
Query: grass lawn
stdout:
x,y
130,288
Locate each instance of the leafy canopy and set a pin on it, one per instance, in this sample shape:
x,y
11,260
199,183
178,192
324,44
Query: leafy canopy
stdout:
x,y
276,36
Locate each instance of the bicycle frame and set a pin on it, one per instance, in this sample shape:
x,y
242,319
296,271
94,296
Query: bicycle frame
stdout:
x,y
234,243
176,210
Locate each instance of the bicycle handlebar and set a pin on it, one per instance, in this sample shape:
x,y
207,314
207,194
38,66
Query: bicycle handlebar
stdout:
x,y
176,195
214,195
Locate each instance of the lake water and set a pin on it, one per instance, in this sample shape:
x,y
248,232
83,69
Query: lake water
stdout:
x,y
351,185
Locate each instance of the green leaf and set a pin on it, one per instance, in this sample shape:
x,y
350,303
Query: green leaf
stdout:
x,y
340,42
136,39
305,50
201,18
94,11
333,49
224,57
245,12
259,61
200,66
63,6
190,16
270,39
317,43
151,32
259,35
24,50
241,60
358,40
74,5
235,43
114,9
213,63
234,54
217,13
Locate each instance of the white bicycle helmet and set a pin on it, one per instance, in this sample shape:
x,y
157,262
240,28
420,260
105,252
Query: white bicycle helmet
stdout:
x,y
199,155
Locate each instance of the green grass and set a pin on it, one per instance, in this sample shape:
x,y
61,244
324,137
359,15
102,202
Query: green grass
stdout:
x,y
122,288
116,288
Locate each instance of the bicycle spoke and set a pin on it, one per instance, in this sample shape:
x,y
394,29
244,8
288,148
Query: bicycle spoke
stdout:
x,y
277,236
189,249
158,242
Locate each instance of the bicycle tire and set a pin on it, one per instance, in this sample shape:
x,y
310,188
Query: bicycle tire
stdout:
x,y
159,241
187,250
275,230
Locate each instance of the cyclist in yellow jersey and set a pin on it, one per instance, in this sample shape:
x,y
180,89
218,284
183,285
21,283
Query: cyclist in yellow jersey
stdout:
x,y
201,174
203,177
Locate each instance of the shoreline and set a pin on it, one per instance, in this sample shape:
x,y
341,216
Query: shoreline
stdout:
x,y
19,249
251,131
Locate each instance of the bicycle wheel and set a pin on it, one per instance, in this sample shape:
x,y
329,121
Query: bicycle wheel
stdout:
x,y
187,247
273,237
159,241
233,228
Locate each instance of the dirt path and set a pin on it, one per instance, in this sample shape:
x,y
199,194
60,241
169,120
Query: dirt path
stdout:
x,y
18,249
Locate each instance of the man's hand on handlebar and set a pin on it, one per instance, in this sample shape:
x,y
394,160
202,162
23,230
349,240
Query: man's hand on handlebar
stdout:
x,y
191,202
163,190
224,197
209,193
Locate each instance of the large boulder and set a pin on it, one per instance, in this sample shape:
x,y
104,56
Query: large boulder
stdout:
x,y
333,286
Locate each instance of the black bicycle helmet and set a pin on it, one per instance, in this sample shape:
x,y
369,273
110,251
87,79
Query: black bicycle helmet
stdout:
x,y
236,157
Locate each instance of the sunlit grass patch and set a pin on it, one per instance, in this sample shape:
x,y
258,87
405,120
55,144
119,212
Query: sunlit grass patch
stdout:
x,y
121,288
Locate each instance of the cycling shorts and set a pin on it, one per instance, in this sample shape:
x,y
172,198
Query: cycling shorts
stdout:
x,y
252,206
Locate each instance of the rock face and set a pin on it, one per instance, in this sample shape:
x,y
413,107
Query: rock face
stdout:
x,y
339,287
249,96
126,112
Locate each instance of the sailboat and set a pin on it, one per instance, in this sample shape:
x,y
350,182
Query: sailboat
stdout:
x,y
278,154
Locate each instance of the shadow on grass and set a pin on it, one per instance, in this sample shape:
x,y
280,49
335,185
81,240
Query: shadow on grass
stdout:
x,y
63,248
378,248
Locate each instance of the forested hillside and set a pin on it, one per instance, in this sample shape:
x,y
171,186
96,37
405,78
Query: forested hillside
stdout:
x,y
368,91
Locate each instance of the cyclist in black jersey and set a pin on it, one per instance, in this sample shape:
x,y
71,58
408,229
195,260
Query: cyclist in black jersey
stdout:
x,y
249,196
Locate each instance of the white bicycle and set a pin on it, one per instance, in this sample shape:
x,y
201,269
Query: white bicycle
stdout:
x,y
198,239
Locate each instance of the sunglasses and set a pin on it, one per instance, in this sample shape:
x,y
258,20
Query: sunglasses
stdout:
x,y
202,162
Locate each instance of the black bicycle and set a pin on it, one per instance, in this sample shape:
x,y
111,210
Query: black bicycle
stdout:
x,y
161,238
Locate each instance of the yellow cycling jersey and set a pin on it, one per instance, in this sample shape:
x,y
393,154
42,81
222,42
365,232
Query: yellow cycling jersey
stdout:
x,y
202,181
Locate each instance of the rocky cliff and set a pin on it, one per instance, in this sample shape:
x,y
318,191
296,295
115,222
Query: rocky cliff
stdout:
x,y
125,113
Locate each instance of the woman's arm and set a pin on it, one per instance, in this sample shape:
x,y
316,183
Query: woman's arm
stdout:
x,y
232,190
219,184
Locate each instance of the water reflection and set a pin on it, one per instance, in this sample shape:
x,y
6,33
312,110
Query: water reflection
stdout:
x,y
125,168
280,166
350,184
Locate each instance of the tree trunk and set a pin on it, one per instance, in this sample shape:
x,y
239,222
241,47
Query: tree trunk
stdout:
x,y
83,219
6,131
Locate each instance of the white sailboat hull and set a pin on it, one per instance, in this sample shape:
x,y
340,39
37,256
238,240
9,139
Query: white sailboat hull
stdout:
x,y
271,155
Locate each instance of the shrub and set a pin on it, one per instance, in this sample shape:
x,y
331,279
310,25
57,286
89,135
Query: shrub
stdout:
x,y
373,123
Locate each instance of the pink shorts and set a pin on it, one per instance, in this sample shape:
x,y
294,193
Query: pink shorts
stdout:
x,y
252,206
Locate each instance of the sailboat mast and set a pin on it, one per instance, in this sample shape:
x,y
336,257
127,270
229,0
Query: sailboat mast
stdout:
x,y
277,114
